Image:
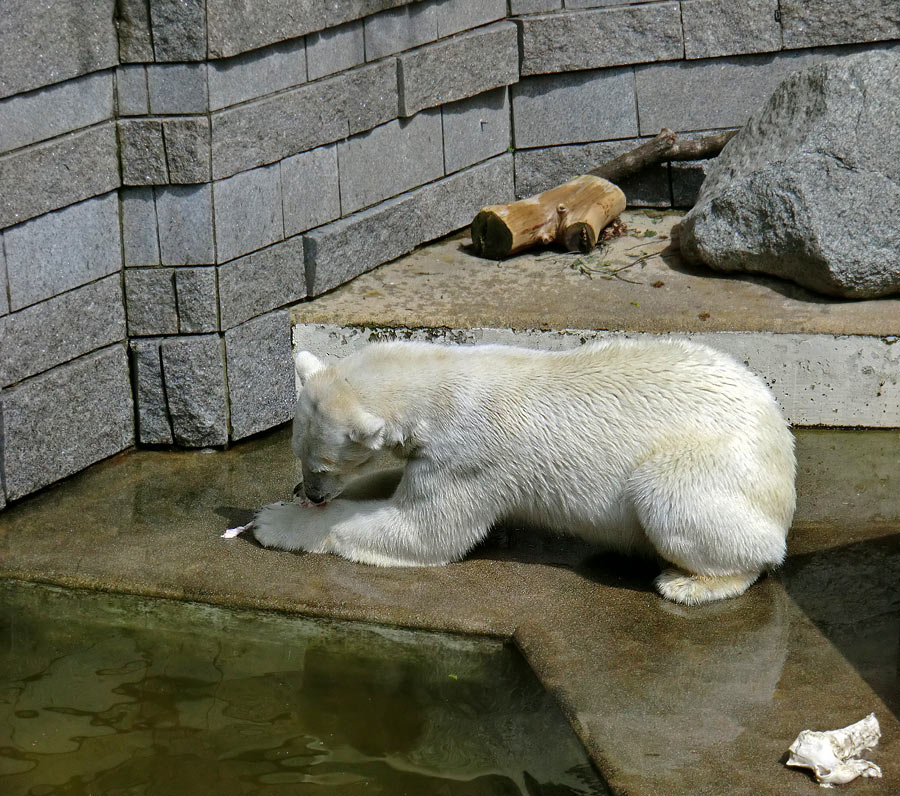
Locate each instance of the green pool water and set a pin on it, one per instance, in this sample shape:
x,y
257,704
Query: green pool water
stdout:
x,y
109,694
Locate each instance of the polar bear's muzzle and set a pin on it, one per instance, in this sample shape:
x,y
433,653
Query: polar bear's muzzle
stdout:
x,y
313,492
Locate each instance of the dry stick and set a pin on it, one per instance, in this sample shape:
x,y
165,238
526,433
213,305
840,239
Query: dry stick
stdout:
x,y
663,147
573,214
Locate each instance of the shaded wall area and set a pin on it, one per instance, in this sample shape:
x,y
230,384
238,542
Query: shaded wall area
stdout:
x,y
175,174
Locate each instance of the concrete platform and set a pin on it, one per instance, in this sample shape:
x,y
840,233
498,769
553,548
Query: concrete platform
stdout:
x,y
830,362
667,700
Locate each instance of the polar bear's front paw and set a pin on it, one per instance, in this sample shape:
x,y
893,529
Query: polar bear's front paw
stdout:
x,y
277,525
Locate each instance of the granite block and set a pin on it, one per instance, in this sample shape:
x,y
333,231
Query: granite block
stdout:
x,y
140,238
338,11
61,250
687,179
601,3
309,189
4,290
154,426
37,115
194,378
197,300
262,281
142,152
133,24
179,29
255,74
540,169
184,217
132,95
475,129
458,67
260,374
344,249
400,29
177,88
247,212
389,160
237,27
569,108
450,204
455,16
564,42
188,156
266,130
729,27
370,95
688,95
58,173
810,23
150,298
335,49
60,329
533,6
59,422
44,43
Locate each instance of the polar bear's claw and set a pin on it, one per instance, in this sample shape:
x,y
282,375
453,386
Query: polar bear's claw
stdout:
x,y
687,589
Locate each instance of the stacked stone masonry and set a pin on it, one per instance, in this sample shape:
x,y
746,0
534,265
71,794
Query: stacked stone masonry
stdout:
x,y
175,174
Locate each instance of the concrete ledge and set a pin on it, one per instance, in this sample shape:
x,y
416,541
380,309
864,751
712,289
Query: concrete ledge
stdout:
x,y
829,362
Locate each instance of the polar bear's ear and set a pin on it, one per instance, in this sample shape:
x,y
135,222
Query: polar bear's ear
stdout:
x,y
367,429
307,365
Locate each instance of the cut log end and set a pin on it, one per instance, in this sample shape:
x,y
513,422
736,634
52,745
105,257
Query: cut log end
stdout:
x,y
579,237
491,237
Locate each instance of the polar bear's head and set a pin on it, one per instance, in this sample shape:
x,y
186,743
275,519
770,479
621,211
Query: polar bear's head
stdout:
x,y
334,437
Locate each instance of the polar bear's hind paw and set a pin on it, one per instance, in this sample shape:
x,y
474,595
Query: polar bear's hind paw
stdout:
x,y
687,589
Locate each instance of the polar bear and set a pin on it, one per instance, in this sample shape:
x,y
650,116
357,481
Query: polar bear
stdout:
x,y
649,446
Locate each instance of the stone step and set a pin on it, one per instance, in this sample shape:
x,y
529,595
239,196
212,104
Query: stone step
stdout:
x,y
830,362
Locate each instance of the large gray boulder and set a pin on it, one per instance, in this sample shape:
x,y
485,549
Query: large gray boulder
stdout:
x,y
809,190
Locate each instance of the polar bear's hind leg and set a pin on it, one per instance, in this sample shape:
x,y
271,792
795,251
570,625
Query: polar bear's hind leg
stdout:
x,y
720,523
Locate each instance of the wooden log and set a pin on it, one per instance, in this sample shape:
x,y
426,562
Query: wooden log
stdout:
x,y
572,214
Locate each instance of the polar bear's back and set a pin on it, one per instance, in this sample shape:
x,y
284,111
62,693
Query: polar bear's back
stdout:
x,y
642,393
640,373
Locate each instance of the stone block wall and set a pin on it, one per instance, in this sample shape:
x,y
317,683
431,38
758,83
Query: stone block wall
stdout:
x,y
175,174
65,392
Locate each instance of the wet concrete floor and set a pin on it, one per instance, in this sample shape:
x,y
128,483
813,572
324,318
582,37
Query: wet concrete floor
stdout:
x,y
666,699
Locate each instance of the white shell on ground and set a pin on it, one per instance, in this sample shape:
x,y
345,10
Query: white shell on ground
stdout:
x,y
833,755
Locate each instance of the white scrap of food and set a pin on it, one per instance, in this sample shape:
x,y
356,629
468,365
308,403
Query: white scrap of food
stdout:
x,y
833,756
231,533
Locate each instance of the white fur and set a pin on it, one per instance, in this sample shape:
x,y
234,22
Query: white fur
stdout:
x,y
644,446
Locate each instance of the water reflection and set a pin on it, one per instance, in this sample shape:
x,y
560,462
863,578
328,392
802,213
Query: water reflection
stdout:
x,y
852,593
104,695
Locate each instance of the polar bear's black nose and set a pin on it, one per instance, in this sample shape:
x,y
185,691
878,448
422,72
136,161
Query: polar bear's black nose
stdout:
x,y
314,497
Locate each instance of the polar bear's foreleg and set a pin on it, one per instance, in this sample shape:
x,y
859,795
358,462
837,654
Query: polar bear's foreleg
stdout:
x,y
701,516
404,530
